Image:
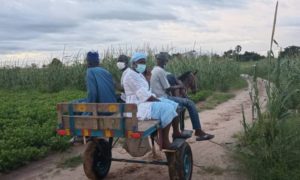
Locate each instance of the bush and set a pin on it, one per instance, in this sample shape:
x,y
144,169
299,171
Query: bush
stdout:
x,y
270,147
200,96
268,153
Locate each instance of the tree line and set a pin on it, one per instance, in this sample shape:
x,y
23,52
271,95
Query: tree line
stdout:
x,y
290,51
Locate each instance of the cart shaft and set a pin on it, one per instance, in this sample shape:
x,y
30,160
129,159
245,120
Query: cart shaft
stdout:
x,y
141,161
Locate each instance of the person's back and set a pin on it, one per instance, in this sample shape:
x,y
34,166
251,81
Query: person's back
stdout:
x,y
158,83
100,87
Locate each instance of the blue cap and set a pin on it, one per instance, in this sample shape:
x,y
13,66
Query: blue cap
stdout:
x,y
137,56
92,59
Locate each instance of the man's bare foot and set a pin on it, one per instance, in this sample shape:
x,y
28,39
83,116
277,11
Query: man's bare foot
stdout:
x,y
180,135
166,145
175,134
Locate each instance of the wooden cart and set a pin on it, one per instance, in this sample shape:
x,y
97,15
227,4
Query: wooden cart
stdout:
x,y
100,123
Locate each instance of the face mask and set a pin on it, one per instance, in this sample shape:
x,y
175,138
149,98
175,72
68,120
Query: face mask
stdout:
x,y
141,68
121,65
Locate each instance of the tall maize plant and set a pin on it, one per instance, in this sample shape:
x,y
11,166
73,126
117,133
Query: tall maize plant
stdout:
x,y
212,74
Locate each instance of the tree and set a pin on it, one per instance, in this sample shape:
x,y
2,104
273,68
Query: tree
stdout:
x,y
251,56
290,51
237,51
33,65
56,62
228,54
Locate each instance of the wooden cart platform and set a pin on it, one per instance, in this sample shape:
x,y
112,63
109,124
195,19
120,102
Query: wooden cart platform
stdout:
x,y
103,120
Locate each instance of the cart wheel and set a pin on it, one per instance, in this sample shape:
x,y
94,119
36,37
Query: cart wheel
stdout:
x,y
180,163
97,159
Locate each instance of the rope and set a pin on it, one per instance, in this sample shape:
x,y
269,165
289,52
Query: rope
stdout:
x,y
221,145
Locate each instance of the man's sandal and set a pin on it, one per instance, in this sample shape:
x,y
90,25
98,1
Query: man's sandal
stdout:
x,y
205,137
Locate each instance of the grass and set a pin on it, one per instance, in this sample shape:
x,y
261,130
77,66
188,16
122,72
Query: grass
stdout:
x,y
29,96
28,125
214,74
215,99
269,148
216,170
200,95
207,99
71,162
238,84
266,158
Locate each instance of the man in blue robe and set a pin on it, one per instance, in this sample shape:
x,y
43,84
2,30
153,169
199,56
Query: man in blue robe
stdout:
x,y
100,87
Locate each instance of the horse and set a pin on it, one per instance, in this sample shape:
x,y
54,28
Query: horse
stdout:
x,y
187,79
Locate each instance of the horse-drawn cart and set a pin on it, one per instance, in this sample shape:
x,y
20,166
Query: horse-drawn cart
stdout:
x,y
100,123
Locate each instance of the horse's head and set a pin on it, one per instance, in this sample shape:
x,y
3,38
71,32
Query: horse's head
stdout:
x,y
189,80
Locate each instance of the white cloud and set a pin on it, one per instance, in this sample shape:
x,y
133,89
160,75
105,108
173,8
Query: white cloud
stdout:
x,y
45,27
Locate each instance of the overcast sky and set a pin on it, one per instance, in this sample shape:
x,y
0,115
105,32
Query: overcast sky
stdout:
x,y
44,28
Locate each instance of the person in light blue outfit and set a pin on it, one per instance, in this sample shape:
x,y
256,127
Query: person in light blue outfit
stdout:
x,y
164,109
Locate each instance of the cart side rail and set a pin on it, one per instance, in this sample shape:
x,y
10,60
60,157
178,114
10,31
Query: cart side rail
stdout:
x,y
102,120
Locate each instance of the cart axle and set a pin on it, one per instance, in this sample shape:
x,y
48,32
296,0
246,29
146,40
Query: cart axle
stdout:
x,y
141,161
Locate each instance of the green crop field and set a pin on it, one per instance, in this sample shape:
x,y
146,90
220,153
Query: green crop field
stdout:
x,y
29,97
268,148
27,125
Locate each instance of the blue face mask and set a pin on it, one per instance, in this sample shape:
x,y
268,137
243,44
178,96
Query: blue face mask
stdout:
x,y
140,68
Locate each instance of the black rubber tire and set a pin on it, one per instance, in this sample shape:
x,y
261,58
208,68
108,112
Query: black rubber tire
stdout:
x,y
97,159
181,119
176,163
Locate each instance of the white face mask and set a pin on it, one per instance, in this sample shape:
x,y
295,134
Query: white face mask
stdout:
x,y
121,65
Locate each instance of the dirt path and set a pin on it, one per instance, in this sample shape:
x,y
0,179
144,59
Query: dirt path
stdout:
x,y
211,158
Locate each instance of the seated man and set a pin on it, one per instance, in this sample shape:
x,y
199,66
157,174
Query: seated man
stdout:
x,y
149,107
122,65
159,85
100,87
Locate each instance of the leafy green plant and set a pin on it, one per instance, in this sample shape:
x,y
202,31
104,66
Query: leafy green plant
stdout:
x,y
200,95
28,125
269,147
29,96
71,162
